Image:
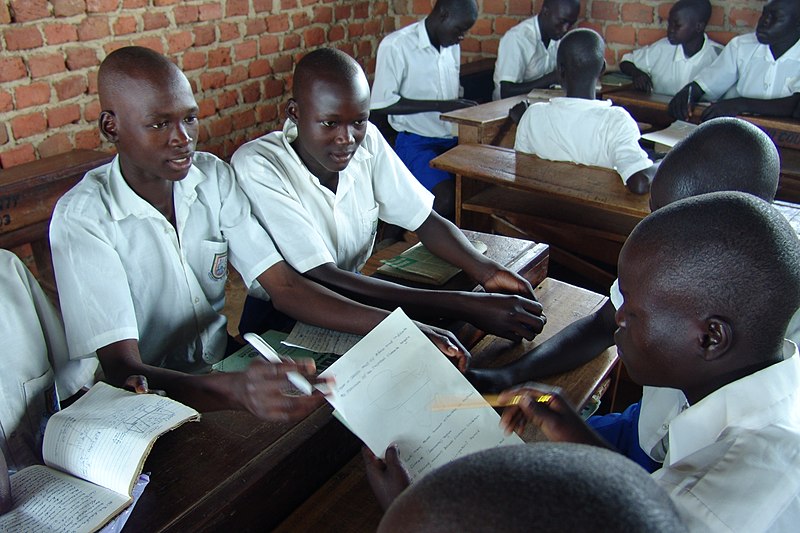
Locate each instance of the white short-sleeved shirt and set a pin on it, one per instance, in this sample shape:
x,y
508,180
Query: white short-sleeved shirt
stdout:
x,y
409,66
733,460
588,132
123,271
668,67
336,228
36,369
522,56
748,67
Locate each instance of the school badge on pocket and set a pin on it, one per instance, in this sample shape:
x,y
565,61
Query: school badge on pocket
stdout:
x,y
219,268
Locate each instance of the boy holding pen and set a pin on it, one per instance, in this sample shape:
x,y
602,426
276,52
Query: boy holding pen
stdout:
x,y
709,284
756,73
140,250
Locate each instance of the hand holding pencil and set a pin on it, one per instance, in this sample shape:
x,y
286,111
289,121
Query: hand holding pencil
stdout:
x,y
544,406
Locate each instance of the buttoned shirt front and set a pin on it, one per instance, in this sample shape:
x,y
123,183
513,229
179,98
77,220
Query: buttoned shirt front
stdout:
x,y
124,272
748,67
335,227
37,370
667,65
409,66
522,56
587,132
733,460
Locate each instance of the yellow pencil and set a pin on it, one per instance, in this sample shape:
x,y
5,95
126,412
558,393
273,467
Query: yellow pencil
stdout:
x,y
450,403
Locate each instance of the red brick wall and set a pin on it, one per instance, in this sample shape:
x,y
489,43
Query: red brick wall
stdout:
x,y
239,54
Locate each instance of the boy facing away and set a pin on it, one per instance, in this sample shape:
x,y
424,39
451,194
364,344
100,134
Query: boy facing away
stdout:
x,y
668,64
140,249
709,284
416,79
724,154
757,73
578,127
526,57
329,176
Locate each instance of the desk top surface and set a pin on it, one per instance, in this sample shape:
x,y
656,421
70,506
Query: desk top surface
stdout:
x,y
483,113
225,468
591,186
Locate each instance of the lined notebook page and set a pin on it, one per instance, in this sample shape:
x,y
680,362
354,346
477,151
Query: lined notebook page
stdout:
x,y
105,436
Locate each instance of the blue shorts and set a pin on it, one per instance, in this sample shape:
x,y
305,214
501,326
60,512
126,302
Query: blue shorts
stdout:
x,y
621,430
416,152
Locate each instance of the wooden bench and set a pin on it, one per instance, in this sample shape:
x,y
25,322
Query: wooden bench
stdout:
x,y
584,213
28,194
784,132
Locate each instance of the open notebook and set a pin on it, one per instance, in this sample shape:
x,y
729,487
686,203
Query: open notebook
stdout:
x,y
94,451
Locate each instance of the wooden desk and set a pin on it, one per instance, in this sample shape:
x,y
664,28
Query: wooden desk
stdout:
x,y
582,212
346,503
486,123
784,132
232,470
28,194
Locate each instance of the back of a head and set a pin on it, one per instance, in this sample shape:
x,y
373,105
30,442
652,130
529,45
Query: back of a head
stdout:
x,y
700,8
723,154
132,63
544,487
328,64
465,8
580,54
725,254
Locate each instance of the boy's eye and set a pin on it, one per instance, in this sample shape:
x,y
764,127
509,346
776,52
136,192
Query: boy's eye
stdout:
x,y
328,123
191,119
159,125
359,123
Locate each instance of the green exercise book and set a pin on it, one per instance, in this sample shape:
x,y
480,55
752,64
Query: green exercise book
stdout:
x,y
616,79
241,358
420,265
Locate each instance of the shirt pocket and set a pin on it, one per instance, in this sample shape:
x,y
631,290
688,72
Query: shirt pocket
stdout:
x,y
214,258
369,224
41,401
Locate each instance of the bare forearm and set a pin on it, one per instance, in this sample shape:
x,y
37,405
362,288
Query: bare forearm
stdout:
x,y
508,89
446,241
779,107
407,106
627,67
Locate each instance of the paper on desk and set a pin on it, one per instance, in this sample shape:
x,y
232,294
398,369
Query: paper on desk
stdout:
x,y
385,386
320,340
669,137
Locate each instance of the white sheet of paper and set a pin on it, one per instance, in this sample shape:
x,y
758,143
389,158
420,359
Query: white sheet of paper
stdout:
x,y
676,132
320,340
385,386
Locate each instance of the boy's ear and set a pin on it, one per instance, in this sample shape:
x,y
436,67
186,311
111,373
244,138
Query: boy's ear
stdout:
x,y
603,69
717,338
108,126
291,110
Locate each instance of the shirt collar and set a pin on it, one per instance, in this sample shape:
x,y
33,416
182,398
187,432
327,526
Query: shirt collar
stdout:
x,y
680,56
423,40
125,202
746,403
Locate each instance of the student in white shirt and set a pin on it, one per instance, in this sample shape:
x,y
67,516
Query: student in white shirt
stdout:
x,y
709,285
578,127
724,154
37,372
140,249
668,64
526,57
330,176
757,73
416,79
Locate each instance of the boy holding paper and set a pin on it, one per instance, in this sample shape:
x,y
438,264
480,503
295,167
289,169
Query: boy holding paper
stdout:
x,y
140,250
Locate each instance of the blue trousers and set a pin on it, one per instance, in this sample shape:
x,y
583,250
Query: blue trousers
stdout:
x,y
621,430
416,152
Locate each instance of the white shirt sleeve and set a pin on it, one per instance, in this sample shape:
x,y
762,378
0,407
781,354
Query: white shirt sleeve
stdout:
x,y
251,248
92,284
390,71
641,58
280,211
627,156
722,74
511,60
523,141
